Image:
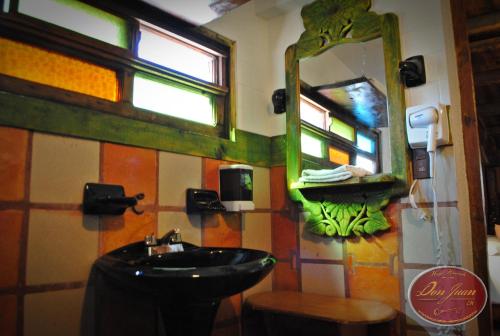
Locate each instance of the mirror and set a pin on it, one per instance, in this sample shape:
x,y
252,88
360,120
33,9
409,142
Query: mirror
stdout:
x,y
343,108
347,59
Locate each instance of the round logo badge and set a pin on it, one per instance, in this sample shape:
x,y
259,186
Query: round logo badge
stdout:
x,y
447,295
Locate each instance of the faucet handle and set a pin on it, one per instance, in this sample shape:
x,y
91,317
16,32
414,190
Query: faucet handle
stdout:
x,y
150,240
175,238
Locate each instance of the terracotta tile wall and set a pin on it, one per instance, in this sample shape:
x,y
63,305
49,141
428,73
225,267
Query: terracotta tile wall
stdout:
x,y
374,268
365,268
47,246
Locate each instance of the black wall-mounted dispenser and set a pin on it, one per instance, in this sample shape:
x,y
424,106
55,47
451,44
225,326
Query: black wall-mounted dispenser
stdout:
x,y
279,101
412,71
108,199
200,200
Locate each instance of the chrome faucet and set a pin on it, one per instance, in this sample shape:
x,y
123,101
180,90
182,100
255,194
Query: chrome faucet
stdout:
x,y
170,242
171,237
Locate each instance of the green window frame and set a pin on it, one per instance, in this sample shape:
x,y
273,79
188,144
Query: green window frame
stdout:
x,y
122,58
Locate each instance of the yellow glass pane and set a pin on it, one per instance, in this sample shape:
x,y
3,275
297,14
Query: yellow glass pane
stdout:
x,y
338,156
46,67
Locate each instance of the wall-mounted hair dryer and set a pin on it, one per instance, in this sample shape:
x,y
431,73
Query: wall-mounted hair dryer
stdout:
x,y
427,126
425,117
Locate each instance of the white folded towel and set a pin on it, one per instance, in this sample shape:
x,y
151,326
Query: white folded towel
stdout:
x,y
332,175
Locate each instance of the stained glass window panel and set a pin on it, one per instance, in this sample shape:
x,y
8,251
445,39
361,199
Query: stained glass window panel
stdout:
x,y
366,163
338,156
313,113
365,143
169,51
342,129
38,65
311,145
79,17
165,98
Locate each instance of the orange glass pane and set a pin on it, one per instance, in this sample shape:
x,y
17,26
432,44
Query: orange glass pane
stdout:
x,y
338,156
45,67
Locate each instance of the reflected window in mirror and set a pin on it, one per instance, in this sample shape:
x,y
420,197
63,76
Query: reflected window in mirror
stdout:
x,y
313,113
311,145
330,138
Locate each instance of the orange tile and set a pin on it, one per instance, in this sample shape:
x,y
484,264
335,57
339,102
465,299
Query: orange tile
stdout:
x,y
375,249
374,283
134,168
8,315
116,231
229,309
222,230
211,173
10,240
284,236
13,153
285,278
279,192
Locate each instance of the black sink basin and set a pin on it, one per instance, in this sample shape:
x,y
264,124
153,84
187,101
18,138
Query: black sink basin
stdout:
x,y
197,273
186,286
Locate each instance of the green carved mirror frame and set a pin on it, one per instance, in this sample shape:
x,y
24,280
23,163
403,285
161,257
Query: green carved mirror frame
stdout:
x,y
354,206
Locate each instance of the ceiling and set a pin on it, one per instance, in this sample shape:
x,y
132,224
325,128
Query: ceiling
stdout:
x,y
198,12
483,25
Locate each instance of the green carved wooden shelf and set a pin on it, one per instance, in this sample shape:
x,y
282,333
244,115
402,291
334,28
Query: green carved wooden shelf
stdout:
x,y
345,219
329,23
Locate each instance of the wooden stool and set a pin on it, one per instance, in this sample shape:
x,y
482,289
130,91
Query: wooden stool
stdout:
x,y
296,313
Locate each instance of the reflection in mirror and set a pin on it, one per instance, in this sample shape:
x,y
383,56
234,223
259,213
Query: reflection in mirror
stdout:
x,y
343,108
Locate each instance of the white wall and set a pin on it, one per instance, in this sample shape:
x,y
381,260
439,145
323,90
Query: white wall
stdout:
x,y
253,88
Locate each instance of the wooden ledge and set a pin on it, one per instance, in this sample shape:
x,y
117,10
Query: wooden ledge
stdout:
x,y
323,307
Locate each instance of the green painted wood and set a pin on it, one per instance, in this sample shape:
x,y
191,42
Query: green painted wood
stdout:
x,y
47,116
396,104
278,150
346,219
293,146
329,23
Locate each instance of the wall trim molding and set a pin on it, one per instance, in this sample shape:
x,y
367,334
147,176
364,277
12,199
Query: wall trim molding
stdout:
x,y
63,119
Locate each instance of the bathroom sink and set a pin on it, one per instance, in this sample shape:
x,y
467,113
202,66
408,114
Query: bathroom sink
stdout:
x,y
197,273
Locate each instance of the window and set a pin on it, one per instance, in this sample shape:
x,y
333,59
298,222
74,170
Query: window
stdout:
x,y
366,163
166,98
78,17
338,156
313,113
365,143
114,59
330,139
342,129
311,145
171,51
